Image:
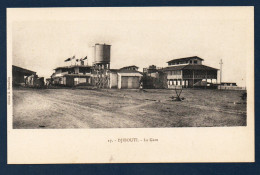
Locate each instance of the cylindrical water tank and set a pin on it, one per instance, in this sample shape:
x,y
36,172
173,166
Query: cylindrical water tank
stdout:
x,y
102,53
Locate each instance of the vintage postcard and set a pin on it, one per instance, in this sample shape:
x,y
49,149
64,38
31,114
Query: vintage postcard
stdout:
x,y
130,84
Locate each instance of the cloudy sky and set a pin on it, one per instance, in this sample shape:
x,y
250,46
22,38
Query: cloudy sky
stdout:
x,y
43,38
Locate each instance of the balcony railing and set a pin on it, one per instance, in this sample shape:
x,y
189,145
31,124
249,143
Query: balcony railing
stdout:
x,y
174,76
200,76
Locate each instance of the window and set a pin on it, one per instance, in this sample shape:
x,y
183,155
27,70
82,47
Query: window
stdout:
x,y
195,62
190,61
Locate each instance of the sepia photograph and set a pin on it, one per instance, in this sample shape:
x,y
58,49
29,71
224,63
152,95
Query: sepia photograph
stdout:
x,y
173,74
129,73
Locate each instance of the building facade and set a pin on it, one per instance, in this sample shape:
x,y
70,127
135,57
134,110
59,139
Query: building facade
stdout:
x,y
189,72
125,79
72,75
25,77
86,75
19,75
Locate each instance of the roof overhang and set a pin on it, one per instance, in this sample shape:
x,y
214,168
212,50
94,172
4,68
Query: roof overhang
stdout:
x,y
185,59
130,74
22,70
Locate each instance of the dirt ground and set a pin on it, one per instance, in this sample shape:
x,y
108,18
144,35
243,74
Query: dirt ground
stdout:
x,y
108,108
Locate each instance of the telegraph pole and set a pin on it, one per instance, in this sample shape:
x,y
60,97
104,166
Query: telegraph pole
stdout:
x,y
220,72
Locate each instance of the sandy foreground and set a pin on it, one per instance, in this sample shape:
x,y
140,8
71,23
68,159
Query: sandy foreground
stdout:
x,y
111,108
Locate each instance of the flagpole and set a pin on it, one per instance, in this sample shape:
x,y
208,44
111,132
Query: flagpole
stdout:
x,y
220,72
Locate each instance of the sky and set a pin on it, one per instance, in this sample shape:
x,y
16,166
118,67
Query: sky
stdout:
x,y
43,38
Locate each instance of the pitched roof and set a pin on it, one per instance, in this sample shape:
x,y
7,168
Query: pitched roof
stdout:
x,y
174,68
128,71
22,70
189,67
113,70
76,75
129,66
185,59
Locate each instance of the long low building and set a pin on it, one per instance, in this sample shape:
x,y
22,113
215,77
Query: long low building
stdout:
x,y
124,78
25,77
19,74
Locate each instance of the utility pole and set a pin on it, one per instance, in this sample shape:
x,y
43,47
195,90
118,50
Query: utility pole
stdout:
x,y
220,72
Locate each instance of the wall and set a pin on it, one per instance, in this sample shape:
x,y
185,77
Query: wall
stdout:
x,y
69,81
76,69
18,78
130,82
174,76
113,80
177,74
78,80
119,77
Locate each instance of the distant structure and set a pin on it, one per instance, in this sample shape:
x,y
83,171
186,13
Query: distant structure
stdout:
x,y
25,77
221,63
154,78
133,67
19,75
150,69
228,84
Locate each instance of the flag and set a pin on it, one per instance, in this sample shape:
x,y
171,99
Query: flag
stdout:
x,y
85,58
69,59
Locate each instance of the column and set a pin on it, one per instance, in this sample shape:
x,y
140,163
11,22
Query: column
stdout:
x,y
193,79
206,79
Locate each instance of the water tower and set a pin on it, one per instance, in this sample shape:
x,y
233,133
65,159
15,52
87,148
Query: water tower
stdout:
x,y
101,65
102,55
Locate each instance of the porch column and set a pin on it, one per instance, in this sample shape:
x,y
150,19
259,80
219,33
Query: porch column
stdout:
x,y
206,79
193,79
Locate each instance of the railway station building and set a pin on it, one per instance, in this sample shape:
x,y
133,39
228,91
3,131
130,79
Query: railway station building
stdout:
x,y
189,72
